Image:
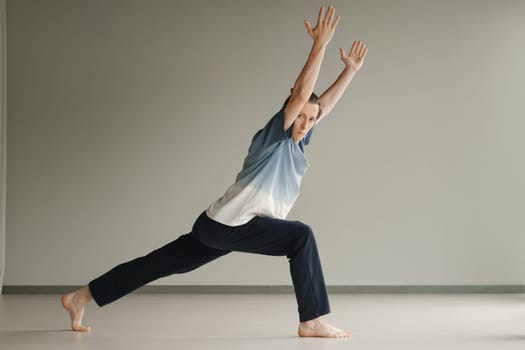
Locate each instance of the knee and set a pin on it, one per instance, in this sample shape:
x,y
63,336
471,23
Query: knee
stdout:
x,y
305,233
304,240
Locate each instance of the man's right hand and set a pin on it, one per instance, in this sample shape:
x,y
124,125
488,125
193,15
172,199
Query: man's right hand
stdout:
x,y
324,30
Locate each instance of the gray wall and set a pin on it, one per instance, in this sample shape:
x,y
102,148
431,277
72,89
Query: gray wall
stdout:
x,y
128,118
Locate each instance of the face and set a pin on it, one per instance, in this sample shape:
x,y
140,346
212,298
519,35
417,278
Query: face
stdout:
x,y
305,121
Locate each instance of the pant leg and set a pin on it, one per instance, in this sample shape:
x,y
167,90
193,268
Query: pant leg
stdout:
x,y
184,254
268,236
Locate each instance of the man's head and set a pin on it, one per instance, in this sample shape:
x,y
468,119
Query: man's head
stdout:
x,y
306,118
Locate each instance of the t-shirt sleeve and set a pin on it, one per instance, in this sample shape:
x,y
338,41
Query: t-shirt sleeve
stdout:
x,y
272,133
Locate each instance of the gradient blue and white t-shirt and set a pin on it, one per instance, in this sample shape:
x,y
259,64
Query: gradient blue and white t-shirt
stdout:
x,y
270,179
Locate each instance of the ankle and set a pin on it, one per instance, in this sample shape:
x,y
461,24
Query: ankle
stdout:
x,y
311,323
83,295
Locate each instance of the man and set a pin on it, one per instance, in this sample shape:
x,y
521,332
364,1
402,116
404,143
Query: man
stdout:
x,y
250,216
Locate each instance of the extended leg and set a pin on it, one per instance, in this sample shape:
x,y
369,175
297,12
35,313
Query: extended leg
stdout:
x,y
184,254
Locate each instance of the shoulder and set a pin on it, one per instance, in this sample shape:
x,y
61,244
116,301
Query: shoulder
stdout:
x,y
270,135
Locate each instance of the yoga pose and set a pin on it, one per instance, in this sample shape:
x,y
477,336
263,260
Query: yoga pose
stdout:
x,y
250,216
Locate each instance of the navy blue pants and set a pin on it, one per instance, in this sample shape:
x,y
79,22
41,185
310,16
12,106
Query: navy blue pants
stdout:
x,y
210,240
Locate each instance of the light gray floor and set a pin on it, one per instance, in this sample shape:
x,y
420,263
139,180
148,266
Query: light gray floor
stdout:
x,y
148,321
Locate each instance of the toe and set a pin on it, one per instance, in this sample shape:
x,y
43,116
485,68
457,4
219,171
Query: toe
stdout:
x,y
81,328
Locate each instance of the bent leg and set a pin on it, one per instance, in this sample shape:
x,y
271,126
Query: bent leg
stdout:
x,y
184,254
278,238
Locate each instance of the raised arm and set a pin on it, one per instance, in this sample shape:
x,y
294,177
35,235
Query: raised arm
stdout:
x,y
304,85
353,62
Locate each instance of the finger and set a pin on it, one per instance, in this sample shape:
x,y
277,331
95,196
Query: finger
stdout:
x,y
337,19
364,53
329,15
320,17
308,27
342,52
354,48
361,49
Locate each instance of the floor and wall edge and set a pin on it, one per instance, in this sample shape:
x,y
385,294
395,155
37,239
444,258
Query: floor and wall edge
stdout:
x,y
282,289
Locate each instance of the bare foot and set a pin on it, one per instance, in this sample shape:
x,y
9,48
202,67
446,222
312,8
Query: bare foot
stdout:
x,y
75,303
319,328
